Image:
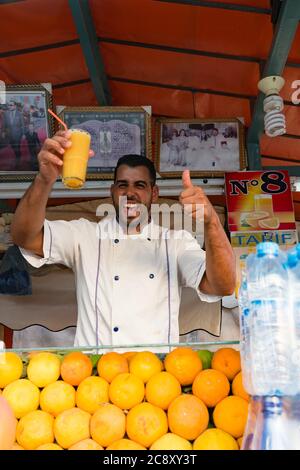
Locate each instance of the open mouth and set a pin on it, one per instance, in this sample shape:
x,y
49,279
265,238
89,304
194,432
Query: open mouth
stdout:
x,y
131,209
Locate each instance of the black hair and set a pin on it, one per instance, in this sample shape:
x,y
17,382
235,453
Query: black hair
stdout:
x,y
133,160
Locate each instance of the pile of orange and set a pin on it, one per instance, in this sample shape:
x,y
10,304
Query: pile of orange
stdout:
x,y
126,401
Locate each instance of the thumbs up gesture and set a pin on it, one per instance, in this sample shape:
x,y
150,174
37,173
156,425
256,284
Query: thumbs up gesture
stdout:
x,y
194,200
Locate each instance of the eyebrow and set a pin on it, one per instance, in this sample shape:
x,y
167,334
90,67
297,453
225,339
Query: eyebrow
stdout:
x,y
135,182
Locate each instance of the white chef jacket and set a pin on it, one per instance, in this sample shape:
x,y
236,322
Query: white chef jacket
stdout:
x,y
128,287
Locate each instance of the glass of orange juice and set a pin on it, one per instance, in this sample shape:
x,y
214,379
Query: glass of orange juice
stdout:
x,y
75,159
264,203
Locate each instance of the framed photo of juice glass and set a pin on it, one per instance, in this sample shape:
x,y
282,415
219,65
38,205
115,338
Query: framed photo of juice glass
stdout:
x,y
24,126
115,131
207,147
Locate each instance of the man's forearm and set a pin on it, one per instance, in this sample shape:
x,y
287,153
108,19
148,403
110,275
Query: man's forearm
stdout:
x,y
29,217
220,277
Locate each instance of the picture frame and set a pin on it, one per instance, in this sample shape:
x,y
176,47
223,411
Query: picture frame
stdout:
x,y
207,147
24,126
115,131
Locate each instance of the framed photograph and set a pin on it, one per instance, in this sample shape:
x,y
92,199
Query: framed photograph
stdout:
x,y
115,131
207,147
5,238
24,126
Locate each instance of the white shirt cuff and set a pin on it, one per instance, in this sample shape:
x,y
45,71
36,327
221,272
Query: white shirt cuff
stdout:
x,y
35,260
201,295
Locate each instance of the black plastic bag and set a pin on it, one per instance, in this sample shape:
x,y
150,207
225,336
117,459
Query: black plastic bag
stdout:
x,y
14,275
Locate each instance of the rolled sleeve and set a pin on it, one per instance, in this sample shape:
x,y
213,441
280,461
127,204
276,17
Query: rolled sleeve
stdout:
x,y
191,265
59,245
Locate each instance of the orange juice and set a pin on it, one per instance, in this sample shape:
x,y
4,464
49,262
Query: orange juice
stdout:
x,y
264,203
76,159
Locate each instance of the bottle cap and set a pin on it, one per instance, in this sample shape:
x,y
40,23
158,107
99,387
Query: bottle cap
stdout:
x,y
292,259
267,248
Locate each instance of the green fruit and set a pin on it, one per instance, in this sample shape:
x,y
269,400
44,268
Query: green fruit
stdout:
x,y
95,358
206,357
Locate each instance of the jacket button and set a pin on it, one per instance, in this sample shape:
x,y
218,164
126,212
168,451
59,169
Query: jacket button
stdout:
x,y
151,276
116,329
116,278
116,240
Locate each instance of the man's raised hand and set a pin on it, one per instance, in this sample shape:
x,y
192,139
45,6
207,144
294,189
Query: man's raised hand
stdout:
x,y
194,200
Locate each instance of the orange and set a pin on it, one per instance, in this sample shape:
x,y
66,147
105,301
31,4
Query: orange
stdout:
x,y
23,397
162,389
92,392
17,447
146,423
252,218
75,367
86,444
108,424
8,425
144,365
238,387
129,355
184,364
240,441
125,444
228,361
57,397
112,364
188,416
171,441
71,426
211,386
43,369
126,390
35,429
215,439
271,223
230,415
49,447
11,368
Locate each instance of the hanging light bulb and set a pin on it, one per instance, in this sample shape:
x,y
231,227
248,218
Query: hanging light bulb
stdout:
x,y
274,119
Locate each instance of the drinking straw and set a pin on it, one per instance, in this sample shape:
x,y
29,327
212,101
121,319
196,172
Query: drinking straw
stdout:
x,y
58,119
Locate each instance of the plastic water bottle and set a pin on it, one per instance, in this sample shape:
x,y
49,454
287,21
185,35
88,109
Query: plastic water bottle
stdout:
x,y
253,428
273,424
293,264
272,338
245,334
298,250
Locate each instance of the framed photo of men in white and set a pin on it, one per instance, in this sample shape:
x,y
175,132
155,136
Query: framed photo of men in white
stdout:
x,y
206,147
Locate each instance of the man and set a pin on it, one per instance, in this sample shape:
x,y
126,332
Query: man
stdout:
x,y
129,271
14,129
194,143
34,145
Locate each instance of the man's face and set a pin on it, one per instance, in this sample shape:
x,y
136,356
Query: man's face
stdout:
x,y
133,186
11,106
